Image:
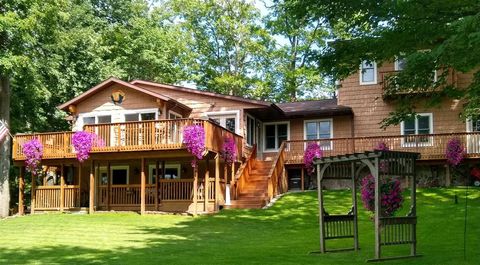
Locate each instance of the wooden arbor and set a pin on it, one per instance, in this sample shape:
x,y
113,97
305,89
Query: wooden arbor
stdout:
x,y
388,230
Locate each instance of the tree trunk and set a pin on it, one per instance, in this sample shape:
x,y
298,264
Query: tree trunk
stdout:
x,y
4,147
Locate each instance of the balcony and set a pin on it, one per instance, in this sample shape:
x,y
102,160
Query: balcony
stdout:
x,y
430,146
128,136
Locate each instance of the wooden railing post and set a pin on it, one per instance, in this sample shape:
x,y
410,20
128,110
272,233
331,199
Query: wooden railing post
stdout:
x,y
92,188
62,188
217,182
232,183
33,195
157,183
79,199
21,191
206,185
109,186
65,144
195,189
142,188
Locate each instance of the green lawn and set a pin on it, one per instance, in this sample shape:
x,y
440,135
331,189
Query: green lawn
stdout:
x,y
283,234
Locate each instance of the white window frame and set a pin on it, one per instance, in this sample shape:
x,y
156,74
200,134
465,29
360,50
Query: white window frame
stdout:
x,y
254,129
236,113
317,121
276,136
396,66
374,82
113,113
104,169
139,112
174,114
430,140
151,167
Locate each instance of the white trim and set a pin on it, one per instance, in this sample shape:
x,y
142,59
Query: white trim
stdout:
x,y
104,169
430,140
254,129
177,166
113,113
265,150
174,113
317,121
396,68
226,113
374,82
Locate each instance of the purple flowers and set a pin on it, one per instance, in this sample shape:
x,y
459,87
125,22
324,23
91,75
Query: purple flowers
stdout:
x,y
454,152
194,139
313,151
390,193
33,151
83,142
229,152
381,146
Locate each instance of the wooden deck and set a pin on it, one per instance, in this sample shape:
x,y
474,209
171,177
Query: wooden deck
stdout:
x,y
128,136
430,146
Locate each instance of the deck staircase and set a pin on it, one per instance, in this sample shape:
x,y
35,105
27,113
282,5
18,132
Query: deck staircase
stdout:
x,y
254,192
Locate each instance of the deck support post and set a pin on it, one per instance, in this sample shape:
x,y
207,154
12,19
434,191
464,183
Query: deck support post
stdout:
x,y
448,177
205,185
195,189
302,178
378,203
109,186
92,188
355,210
62,188
34,191
21,191
232,183
142,188
157,183
217,182
79,196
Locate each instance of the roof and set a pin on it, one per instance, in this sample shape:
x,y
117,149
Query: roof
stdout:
x,y
113,80
314,107
201,92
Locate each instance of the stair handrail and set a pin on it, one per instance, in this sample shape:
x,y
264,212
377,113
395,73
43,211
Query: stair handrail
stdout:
x,y
277,182
243,173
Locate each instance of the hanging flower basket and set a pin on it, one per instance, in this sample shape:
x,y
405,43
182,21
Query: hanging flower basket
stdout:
x,y
454,152
83,142
194,140
229,152
390,193
312,152
33,151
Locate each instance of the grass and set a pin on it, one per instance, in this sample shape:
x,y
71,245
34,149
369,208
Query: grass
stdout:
x,y
283,234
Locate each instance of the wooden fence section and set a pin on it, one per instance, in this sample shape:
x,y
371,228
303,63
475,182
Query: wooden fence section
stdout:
x,y
48,197
430,146
277,180
398,230
128,136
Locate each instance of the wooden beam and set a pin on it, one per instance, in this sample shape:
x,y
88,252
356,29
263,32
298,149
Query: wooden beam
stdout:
x,y
33,196
109,186
205,185
157,183
320,209
79,199
303,178
195,189
142,188
217,182
92,189
378,205
21,191
62,188
232,185
355,210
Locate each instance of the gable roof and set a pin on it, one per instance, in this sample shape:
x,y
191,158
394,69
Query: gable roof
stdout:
x,y
200,92
111,81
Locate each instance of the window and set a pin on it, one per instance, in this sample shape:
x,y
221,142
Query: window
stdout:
x,y
104,119
172,171
275,134
414,128
88,120
319,129
400,64
119,175
140,116
250,131
173,115
368,73
228,119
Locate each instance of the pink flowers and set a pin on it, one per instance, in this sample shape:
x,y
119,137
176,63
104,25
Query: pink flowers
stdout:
x,y
313,151
390,193
83,142
381,146
33,151
194,139
229,152
454,152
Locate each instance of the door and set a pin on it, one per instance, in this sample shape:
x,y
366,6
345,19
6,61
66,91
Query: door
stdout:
x,y
473,140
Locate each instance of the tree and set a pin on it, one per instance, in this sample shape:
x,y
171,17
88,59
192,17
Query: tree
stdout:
x,y
229,46
432,35
297,68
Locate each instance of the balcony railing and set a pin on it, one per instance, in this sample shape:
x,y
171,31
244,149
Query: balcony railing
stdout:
x,y
430,146
128,136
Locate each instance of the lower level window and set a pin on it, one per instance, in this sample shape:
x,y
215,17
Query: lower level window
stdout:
x,y
119,175
172,171
414,128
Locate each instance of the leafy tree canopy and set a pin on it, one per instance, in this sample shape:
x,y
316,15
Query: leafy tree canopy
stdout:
x,y
432,35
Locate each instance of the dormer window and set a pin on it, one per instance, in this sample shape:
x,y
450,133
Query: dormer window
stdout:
x,y
368,73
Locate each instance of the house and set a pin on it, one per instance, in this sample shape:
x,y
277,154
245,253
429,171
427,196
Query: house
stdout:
x,y
143,165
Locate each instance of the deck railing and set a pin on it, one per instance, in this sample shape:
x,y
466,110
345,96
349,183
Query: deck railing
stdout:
x,y
128,136
430,146
48,197
277,181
